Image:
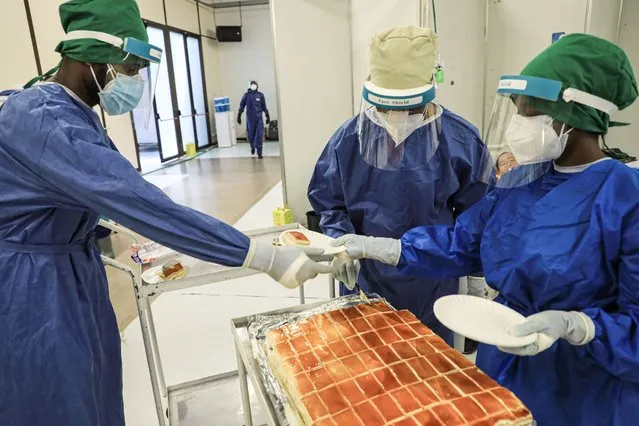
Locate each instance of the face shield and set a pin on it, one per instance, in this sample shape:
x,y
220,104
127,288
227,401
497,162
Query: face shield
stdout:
x,y
528,122
398,128
140,67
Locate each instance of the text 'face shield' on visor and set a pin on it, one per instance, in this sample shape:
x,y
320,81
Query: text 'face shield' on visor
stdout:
x,y
525,124
398,129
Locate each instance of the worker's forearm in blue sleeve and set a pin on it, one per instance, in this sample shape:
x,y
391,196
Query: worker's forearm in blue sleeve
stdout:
x,y
187,231
102,180
443,251
148,211
615,347
432,251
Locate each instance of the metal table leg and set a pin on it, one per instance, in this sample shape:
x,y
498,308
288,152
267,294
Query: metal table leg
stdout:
x,y
331,287
246,402
302,298
148,348
156,348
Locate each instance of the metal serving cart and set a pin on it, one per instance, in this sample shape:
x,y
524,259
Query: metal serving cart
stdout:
x,y
202,274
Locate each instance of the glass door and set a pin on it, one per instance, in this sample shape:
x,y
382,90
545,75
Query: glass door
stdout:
x,y
200,108
164,107
182,88
181,111
162,131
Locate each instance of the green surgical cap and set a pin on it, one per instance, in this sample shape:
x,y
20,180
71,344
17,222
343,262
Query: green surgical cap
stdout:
x,y
120,18
589,64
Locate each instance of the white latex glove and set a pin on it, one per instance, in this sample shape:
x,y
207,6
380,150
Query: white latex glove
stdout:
x,y
476,286
385,250
346,270
289,266
574,327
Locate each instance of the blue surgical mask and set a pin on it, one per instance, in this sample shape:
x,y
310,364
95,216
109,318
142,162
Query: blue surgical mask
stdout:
x,y
122,94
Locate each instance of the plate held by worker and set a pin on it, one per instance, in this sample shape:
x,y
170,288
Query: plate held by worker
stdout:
x,y
482,320
304,238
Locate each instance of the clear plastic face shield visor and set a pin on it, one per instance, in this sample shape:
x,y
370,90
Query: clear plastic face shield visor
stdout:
x,y
398,129
526,132
140,59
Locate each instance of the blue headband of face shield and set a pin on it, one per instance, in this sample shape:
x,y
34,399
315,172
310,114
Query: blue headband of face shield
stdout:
x,y
129,45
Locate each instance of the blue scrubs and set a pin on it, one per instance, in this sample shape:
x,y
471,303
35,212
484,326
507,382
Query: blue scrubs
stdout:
x,y
255,105
564,242
59,341
354,197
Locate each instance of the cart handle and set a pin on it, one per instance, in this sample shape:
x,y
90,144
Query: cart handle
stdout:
x,y
107,261
120,230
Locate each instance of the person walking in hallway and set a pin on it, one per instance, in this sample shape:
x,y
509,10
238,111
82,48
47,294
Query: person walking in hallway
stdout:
x,y
255,104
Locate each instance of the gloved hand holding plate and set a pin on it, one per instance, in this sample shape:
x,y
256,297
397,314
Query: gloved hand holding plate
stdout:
x,y
482,320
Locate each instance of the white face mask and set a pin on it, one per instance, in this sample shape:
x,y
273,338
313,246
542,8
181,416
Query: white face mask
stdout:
x,y
400,124
253,87
534,140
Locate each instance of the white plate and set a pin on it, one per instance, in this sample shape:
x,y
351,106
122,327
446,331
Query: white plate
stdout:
x,y
317,241
152,276
482,320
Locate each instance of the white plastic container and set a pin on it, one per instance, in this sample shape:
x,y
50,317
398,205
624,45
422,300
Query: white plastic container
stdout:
x,y
224,122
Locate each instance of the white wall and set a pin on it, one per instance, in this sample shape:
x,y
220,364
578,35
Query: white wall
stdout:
x,y
311,46
19,64
604,18
519,30
153,10
460,26
368,17
252,59
461,51
48,30
625,138
182,14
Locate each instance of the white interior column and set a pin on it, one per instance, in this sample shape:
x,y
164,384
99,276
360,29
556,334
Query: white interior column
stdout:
x,y
313,73
625,138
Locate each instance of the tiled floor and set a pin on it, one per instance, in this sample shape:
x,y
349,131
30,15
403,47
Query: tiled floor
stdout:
x,y
150,160
242,149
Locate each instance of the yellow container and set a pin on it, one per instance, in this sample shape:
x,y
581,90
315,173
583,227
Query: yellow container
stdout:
x,y
282,216
190,149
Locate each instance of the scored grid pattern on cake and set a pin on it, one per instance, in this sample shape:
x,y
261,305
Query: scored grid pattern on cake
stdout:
x,y
370,365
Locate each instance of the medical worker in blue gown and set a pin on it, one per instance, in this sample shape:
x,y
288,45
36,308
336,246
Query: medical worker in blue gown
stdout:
x,y
59,343
403,161
255,104
558,238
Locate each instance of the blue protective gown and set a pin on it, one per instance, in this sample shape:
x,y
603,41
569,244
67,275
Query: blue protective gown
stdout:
x,y
564,242
354,197
255,104
59,342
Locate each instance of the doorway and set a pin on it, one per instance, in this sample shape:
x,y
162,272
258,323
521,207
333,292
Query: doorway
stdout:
x,y
180,103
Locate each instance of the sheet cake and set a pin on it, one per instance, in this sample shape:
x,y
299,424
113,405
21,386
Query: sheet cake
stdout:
x,y
370,365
